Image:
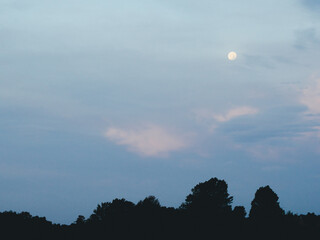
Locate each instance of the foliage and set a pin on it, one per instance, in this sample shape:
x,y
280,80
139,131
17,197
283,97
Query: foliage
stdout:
x,y
206,213
210,197
265,205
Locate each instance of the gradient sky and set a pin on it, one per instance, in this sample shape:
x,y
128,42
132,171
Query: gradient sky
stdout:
x,y
121,98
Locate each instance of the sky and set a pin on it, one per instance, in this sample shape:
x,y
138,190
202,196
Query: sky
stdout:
x,y
126,99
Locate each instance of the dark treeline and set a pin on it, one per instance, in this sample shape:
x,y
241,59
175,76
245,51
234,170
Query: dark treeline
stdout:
x,y
206,214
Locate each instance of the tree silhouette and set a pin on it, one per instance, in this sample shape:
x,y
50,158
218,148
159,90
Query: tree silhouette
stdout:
x,y
150,202
206,213
80,220
107,210
207,210
265,205
239,212
211,196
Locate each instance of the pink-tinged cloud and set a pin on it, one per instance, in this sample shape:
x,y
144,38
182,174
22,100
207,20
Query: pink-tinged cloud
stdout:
x,y
234,113
311,97
150,141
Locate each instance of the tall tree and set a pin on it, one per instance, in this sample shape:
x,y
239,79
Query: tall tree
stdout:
x,y
265,205
210,197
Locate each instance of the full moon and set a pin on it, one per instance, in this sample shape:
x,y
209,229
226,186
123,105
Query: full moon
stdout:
x,y
232,56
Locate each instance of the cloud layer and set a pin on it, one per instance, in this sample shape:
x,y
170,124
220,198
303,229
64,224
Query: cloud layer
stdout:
x,y
150,141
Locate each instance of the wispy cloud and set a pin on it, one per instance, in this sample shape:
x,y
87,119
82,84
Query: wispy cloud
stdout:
x,y
311,97
151,140
234,113
204,114
211,119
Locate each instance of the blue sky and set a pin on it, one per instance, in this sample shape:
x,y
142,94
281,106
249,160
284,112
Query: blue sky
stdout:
x,y
107,99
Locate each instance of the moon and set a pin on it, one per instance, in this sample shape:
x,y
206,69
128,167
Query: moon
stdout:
x,y
232,56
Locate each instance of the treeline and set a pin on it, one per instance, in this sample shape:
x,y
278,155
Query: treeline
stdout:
x,y
207,213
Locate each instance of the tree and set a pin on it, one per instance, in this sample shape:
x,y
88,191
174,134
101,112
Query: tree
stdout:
x,y
239,212
150,202
209,197
80,220
118,207
265,205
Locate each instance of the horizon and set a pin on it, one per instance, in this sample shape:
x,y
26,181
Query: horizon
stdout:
x,y
122,99
181,207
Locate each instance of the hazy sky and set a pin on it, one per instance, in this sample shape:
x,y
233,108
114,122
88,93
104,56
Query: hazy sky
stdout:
x,y
122,98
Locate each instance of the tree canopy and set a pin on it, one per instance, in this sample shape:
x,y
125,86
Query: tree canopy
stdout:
x,y
210,196
265,204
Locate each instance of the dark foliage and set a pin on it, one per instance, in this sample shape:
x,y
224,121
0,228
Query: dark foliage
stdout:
x,y
205,214
265,205
210,197
24,226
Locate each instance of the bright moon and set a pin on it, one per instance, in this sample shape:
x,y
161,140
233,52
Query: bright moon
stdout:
x,y
232,56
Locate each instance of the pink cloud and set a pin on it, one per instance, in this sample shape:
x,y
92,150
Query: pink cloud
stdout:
x,y
234,113
150,141
211,119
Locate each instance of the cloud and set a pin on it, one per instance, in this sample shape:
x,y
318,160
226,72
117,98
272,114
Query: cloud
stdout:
x,y
234,113
311,97
204,114
150,141
211,119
